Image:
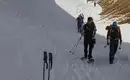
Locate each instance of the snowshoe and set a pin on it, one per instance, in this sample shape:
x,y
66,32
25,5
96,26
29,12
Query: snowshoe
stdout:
x,y
90,60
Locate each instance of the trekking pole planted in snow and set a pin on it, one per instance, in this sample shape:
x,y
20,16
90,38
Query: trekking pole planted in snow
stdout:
x,y
72,48
75,46
44,62
50,64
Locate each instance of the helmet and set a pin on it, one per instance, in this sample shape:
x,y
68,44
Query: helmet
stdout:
x,y
114,23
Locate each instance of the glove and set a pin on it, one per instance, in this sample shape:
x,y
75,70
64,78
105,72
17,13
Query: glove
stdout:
x,y
94,41
120,44
108,42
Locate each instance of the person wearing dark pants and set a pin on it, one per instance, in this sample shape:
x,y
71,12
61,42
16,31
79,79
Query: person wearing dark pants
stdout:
x,y
113,37
113,49
89,31
79,27
86,45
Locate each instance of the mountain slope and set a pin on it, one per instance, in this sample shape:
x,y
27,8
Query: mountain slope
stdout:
x,y
116,9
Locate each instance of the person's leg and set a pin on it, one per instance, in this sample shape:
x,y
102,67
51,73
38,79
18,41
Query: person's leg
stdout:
x,y
115,46
111,57
90,50
85,47
78,27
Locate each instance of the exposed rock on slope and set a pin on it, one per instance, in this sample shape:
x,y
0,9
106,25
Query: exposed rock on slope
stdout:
x,y
119,9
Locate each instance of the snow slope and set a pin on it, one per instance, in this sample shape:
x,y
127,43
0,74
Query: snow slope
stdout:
x,y
101,70
28,27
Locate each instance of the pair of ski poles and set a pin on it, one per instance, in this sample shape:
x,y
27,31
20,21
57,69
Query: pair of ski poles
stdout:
x,y
48,66
75,46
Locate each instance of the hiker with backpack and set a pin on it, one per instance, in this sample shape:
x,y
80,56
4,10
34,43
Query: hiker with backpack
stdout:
x,y
80,21
113,38
89,31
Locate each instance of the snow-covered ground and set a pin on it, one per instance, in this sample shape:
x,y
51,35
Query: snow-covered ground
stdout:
x,y
28,27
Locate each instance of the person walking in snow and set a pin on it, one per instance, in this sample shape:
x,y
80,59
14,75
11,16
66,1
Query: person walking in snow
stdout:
x,y
113,37
89,31
80,21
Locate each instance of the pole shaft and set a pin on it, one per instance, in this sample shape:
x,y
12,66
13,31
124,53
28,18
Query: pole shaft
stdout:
x,y
43,71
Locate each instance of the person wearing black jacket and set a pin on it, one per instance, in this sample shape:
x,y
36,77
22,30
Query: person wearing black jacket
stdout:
x,y
89,31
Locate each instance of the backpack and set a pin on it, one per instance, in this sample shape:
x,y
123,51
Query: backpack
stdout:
x,y
89,29
114,33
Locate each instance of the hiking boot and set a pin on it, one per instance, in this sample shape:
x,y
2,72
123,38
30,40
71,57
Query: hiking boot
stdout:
x,y
111,60
90,57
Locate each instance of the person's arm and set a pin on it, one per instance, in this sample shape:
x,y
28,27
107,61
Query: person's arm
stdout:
x,y
108,34
108,37
120,36
94,33
95,29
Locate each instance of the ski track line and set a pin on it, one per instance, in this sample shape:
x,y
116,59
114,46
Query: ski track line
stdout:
x,y
81,72
88,69
118,61
94,70
87,72
77,71
70,71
